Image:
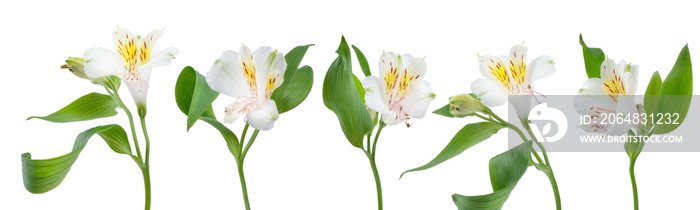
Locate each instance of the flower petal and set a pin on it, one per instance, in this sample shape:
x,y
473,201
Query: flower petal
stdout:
x,y
268,63
249,67
390,118
630,76
226,76
138,89
415,70
375,94
623,107
234,110
611,75
420,94
516,65
592,96
125,44
592,86
389,66
163,58
492,68
264,117
522,105
541,67
102,62
146,45
491,93
274,80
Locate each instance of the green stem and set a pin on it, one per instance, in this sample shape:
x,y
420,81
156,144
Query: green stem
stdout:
x,y
373,164
369,137
147,184
245,130
555,187
252,139
146,165
484,118
522,135
512,127
115,96
145,135
550,172
239,162
145,170
371,154
376,138
243,185
634,184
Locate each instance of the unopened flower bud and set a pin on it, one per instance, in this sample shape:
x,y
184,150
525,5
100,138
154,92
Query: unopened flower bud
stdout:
x,y
463,105
76,65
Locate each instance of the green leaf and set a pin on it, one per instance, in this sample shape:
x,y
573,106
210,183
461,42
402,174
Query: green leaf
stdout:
x,y
505,169
362,60
41,176
633,149
651,96
341,96
230,138
444,111
116,139
360,88
294,57
88,107
593,57
294,89
297,82
194,96
676,92
468,136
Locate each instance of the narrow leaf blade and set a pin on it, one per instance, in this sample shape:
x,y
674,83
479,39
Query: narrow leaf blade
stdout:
x,y
362,60
468,136
41,176
88,107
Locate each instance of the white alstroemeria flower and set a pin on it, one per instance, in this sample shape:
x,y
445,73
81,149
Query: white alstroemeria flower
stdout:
x,y
137,55
610,94
401,93
499,81
250,78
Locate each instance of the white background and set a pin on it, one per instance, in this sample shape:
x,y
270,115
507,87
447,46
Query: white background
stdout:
x,y
305,162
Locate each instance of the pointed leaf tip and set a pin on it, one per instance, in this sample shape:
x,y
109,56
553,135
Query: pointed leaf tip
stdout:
x,y
88,107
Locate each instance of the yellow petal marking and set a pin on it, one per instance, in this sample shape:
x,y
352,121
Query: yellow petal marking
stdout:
x,y
146,46
516,62
498,70
126,47
409,74
274,80
250,74
391,77
612,80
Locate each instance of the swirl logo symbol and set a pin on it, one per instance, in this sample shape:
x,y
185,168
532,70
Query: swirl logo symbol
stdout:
x,y
547,116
